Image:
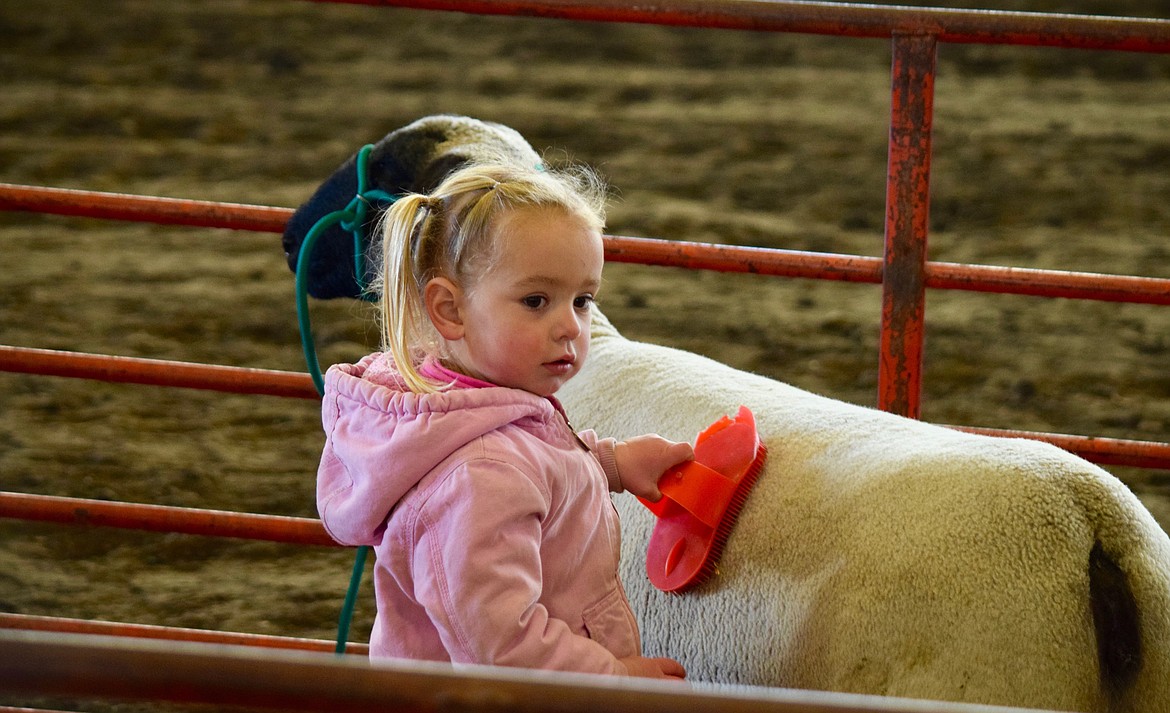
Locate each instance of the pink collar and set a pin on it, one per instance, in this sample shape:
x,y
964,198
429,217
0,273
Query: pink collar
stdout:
x,y
433,369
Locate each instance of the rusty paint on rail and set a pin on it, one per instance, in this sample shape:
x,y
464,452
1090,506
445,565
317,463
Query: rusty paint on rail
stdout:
x,y
907,210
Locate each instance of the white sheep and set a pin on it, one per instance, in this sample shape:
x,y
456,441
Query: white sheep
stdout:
x,y
883,555
876,554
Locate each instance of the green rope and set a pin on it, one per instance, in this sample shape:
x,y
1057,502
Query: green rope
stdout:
x,y
352,217
351,592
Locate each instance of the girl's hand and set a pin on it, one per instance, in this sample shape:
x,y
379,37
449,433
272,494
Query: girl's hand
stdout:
x,y
654,668
642,460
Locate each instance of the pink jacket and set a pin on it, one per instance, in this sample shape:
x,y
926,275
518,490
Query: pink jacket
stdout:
x,y
496,539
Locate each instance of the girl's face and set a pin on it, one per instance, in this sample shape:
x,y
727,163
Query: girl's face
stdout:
x,y
524,322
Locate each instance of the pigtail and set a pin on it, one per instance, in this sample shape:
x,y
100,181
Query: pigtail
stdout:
x,y
405,326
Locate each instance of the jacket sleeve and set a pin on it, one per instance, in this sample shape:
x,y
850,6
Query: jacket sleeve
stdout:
x,y
603,450
477,571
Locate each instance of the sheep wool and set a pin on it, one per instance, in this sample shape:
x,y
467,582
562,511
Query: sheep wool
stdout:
x,y
883,555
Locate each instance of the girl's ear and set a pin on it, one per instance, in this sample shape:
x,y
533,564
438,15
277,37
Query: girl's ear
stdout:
x,y
442,299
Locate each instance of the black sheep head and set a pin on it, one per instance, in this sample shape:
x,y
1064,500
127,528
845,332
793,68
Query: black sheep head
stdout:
x,y
412,159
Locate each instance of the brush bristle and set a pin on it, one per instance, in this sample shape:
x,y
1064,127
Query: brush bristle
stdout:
x,y
727,522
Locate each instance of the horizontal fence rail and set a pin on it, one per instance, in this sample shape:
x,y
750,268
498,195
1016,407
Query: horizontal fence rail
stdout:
x,y
1106,451
832,18
193,672
164,518
148,209
157,372
264,382
62,625
647,251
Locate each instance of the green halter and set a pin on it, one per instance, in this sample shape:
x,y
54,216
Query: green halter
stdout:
x,y
352,218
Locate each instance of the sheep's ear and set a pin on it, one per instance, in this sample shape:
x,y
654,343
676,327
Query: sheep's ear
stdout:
x,y
433,173
443,301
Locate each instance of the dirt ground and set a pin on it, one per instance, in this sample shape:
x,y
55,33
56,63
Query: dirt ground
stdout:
x,y
1042,158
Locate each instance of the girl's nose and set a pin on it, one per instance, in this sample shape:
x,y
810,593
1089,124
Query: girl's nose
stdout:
x,y
568,325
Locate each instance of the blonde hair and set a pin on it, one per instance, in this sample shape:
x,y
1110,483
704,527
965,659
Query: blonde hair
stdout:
x,y
449,233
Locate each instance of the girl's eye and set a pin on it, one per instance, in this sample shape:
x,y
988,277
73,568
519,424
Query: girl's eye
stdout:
x,y
534,301
583,302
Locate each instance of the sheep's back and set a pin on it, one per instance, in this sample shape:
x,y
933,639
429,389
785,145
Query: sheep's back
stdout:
x,y
877,554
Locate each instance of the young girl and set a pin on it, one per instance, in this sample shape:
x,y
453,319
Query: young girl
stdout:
x,y
496,539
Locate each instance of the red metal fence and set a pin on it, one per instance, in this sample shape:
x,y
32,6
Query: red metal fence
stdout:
x,y
903,271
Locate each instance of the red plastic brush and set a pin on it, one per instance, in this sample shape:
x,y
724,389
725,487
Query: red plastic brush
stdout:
x,y
701,500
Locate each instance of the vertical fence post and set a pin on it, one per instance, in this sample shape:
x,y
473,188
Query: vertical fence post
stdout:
x,y
907,213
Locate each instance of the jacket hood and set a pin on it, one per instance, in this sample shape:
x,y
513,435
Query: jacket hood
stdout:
x,y
382,439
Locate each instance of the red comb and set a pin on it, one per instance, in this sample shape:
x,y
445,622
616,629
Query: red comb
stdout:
x,y
701,500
